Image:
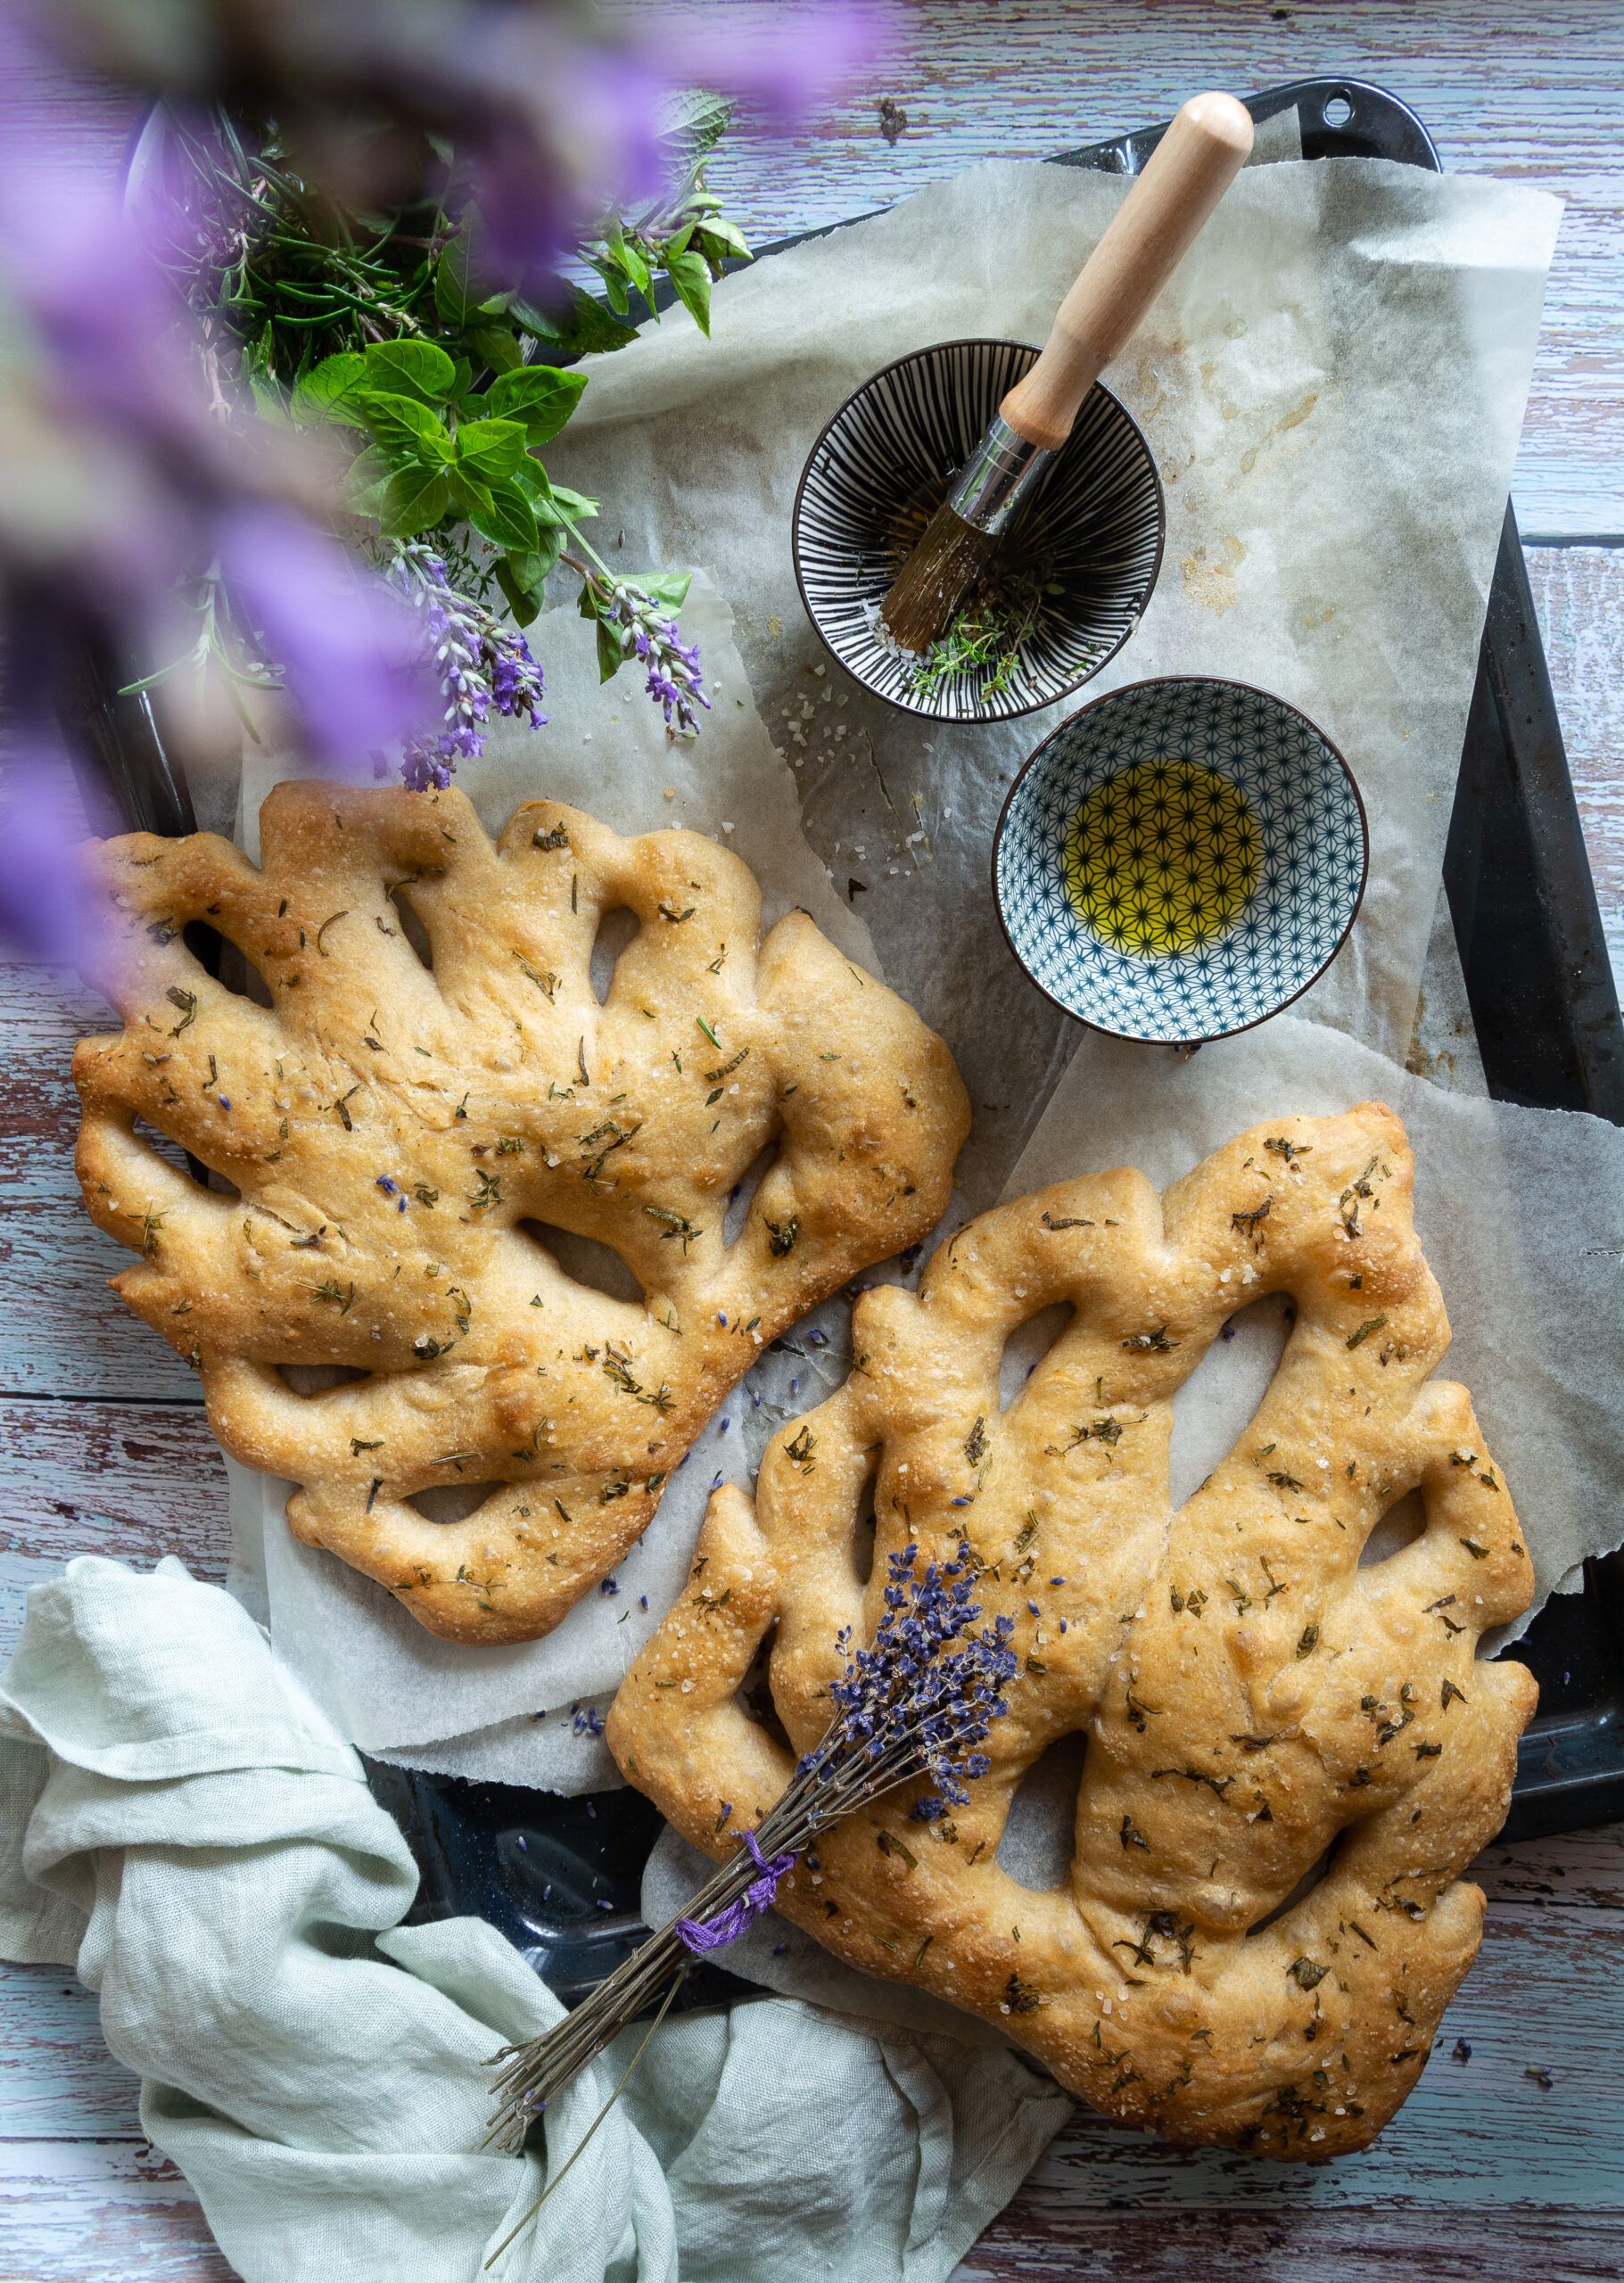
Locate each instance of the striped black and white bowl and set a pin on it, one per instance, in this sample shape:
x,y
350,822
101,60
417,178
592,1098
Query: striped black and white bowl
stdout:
x,y
1210,778
884,462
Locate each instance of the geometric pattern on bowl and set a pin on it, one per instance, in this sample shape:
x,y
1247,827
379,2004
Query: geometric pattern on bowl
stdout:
x,y
1310,867
1097,508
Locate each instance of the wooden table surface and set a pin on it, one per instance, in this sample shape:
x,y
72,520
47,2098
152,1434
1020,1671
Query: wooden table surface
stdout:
x,y
103,1446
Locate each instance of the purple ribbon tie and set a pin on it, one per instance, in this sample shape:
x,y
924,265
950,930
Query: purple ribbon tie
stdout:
x,y
702,1934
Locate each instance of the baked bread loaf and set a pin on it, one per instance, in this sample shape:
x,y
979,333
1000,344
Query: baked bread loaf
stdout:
x,y
1251,1697
389,1131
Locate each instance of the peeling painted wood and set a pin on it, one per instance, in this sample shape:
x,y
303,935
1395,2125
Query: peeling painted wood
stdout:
x,y
131,1481
101,2212
1382,2244
61,1328
58,2081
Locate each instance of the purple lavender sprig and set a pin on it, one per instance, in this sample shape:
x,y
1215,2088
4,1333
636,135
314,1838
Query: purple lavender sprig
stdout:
x,y
912,1705
675,680
481,661
636,622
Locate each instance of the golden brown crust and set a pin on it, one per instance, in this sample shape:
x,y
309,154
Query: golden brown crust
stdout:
x,y
389,1130
1250,1695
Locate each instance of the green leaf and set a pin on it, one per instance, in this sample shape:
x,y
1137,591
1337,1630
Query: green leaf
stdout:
x,y
457,296
579,328
635,263
668,586
611,657
521,602
503,514
720,238
404,428
615,284
326,391
523,578
576,505
538,395
491,449
414,499
497,346
411,368
693,120
690,274
589,602
365,483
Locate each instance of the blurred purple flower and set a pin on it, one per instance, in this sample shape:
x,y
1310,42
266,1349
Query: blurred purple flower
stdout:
x,y
348,648
118,482
44,912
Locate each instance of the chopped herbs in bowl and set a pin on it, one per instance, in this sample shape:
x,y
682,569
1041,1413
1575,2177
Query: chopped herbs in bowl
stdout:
x,y
1062,593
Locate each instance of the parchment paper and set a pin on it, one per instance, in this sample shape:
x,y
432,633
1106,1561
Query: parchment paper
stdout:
x,y
1332,386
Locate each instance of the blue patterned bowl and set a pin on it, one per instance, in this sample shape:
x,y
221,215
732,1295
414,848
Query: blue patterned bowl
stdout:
x,y
884,461
1180,860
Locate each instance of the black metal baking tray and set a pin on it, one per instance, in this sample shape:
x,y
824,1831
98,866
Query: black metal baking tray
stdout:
x,y
560,1877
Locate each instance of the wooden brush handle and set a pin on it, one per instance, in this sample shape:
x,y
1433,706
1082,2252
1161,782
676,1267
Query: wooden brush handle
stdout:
x,y
1184,178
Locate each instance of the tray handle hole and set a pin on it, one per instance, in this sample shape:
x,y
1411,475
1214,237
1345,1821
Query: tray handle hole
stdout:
x,y
1338,111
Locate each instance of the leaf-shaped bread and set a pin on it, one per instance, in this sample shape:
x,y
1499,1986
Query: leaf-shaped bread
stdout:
x,y
1250,1695
389,1130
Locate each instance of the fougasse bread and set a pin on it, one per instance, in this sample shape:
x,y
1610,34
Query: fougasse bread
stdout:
x,y
392,1134
1256,1705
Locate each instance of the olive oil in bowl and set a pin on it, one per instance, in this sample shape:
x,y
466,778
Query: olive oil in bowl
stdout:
x,y
1162,858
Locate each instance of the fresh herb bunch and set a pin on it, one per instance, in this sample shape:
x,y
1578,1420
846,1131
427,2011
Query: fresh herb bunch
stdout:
x,y
395,332
913,1705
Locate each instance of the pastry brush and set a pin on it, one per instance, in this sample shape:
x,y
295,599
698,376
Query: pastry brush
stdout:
x,y
1184,178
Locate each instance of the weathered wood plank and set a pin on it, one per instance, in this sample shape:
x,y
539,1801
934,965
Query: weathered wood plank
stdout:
x,y
58,2081
1576,1870
101,2212
1385,2243
133,1481
61,1328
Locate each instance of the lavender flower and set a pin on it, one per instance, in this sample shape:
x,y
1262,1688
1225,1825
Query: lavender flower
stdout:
x,y
481,661
675,679
45,908
912,1705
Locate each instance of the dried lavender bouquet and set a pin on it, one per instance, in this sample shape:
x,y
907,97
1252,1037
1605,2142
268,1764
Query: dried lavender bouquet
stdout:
x,y
913,1705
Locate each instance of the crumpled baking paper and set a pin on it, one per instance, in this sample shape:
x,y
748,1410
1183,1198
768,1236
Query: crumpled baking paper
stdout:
x,y
1332,386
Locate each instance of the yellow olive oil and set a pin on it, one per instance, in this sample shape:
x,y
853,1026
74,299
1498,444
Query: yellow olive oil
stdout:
x,y
1162,858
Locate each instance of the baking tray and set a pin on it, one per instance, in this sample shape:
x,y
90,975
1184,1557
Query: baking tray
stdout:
x,y
561,1877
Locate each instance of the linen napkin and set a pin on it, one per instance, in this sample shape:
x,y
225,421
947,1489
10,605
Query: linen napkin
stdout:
x,y
180,1821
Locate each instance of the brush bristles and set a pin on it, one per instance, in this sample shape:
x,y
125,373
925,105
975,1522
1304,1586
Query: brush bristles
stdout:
x,y
938,577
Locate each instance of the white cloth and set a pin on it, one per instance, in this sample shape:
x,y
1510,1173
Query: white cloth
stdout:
x,y
179,1821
